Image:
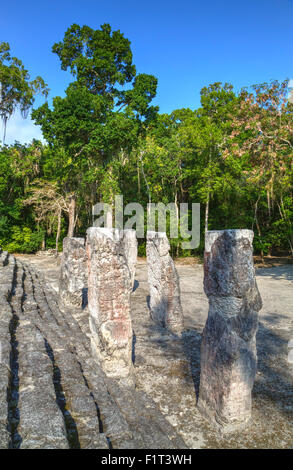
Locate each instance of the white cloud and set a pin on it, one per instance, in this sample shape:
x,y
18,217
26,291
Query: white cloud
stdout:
x,y
22,130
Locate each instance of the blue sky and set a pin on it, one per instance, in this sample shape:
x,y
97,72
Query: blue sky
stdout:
x,y
186,44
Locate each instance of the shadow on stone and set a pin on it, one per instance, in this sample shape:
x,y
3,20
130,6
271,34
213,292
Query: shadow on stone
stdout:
x,y
272,391
13,391
133,348
189,340
276,272
274,380
84,298
70,425
135,285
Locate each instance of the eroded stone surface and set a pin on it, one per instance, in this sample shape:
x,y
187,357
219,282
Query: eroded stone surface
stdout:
x,y
228,349
73,272
53,393
129,241
109,286
7,266
165,305
161,368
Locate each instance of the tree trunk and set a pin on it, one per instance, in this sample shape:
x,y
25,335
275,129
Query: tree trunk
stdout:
x,y
146,183
58,230
287,220
138,179
206,220
44,242
71,215
258,229
177,221
269,203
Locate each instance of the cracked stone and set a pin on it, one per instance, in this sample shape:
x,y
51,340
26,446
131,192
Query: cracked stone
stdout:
x,y
228,348
109,287
73,272
165,304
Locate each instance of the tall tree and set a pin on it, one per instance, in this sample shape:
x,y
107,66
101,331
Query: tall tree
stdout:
x,y
263,137
103,112
16,88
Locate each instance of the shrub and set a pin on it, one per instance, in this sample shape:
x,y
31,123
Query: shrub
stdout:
x,y
24,240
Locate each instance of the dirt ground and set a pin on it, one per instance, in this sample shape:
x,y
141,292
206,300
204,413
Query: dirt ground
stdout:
x,y
168,368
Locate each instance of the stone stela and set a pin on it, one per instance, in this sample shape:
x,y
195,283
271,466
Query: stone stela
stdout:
x,y
228,348
73,271
106,265
165,305
111,262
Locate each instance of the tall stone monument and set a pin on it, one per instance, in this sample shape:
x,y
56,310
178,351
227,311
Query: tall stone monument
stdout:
x,y
73,271
110,281
228,349
129,242
165,305
290,88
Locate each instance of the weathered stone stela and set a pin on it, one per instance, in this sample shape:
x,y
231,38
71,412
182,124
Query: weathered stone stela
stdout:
x,y
109,287
129,241
164,285
73,272
228,349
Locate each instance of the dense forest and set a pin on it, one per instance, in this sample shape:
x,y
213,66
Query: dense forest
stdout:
x,y
104,137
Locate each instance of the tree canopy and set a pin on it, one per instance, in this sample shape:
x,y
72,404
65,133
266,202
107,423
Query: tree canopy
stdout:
x,y
104,137
16,88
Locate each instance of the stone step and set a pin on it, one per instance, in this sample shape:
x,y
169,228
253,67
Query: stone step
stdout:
x,y
63,316
59,395
37,419
7,271
76,398
4,257
118,433
148,425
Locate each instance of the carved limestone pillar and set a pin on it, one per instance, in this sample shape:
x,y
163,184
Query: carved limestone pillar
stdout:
x,y
228,349
109,289
73,271
164,285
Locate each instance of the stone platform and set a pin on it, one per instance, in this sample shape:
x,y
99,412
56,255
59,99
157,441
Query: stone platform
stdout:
x,y
59,398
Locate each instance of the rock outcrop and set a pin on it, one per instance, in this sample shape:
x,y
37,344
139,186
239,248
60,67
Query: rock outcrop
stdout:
x,y
109,287
228,349
165,305
73,272
7,271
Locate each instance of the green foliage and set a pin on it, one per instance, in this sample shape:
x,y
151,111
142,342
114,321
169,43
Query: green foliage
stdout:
x,y
233,154
98,59
141,249
24,240
105,110
16,88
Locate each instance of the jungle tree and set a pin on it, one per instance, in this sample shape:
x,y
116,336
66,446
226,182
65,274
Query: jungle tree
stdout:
x,y
16,88
102,114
